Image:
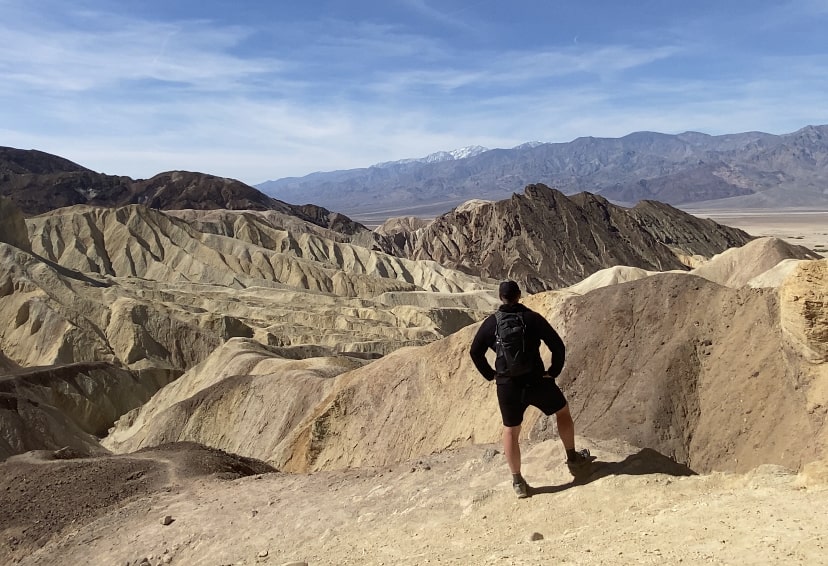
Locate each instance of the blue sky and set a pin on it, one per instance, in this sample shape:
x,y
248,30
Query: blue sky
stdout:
x,y
258,90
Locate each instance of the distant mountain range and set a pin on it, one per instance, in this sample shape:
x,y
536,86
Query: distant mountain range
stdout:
x,y
541,238
692,169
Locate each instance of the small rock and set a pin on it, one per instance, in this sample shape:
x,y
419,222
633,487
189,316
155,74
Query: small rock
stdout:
x,y
263,554
489,454
535,536
167,559
67,453
167,520
295,564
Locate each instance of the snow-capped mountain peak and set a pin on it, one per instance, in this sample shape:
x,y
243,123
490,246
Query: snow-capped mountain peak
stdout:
x,y
468,151
462,153
528,145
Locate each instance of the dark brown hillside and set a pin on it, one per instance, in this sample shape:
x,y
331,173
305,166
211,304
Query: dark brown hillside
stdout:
x,y
545,240
37,182
35,193
685,232
22,161
180,190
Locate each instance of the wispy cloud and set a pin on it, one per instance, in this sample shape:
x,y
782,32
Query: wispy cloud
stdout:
x,y
451,18
138,95
194,54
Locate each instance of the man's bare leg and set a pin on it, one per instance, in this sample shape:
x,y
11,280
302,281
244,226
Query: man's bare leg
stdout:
x,y
566,428
511,447
577,462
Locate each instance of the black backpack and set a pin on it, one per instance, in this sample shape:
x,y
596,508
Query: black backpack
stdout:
x,y
511,359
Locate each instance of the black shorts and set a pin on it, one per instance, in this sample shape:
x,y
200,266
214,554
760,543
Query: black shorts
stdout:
x,y
515,395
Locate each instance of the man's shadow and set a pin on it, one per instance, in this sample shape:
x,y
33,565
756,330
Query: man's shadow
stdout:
x,y
645,461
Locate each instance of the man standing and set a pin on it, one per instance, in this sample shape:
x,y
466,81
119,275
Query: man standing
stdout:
x,y
515,332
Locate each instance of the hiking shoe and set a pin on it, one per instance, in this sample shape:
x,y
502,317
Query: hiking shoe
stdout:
x,y
521,488
580,465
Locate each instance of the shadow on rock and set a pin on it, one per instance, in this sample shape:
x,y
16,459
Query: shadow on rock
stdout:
x,y
645,461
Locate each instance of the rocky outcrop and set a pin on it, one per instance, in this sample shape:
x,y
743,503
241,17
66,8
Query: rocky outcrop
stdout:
x,y
237,387
265,228
804,311
685,233
702,373
60,316
657,362
71,405
53,315
545,240
13,228
401,224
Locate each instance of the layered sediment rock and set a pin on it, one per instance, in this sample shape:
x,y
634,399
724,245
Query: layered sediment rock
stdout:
x,y
149,296
704,373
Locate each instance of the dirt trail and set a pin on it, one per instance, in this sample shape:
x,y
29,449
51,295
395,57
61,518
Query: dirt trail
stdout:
x,y
457,507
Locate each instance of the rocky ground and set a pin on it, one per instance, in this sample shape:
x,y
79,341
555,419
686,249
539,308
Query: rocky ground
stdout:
x,y
454,507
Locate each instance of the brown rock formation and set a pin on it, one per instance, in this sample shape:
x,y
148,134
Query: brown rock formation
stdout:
x,y
545,240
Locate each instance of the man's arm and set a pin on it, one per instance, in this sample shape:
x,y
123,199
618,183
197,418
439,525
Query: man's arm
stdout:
x,y
555,345
479,347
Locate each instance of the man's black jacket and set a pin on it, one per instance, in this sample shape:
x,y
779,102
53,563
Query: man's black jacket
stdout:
x,y
537,329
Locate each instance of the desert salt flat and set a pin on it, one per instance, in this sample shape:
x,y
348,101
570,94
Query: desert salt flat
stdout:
x,y
807,228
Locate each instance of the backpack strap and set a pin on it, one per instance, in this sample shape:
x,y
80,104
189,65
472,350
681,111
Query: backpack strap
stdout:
x,y
498,317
